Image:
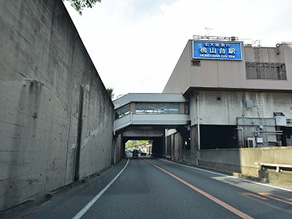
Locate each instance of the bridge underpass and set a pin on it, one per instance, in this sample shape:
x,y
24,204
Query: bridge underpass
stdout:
x,y
157,149
148,117
152,133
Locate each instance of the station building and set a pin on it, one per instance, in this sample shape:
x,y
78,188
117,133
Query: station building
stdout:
x,y
226,106
239,96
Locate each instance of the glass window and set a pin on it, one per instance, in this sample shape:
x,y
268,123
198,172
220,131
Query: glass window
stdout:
x,y
157,108
123,111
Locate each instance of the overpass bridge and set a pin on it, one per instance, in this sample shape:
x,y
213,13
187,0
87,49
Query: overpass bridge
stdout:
x,y
141,116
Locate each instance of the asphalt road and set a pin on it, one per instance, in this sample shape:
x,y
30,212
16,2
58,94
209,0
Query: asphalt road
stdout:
x,y
152,188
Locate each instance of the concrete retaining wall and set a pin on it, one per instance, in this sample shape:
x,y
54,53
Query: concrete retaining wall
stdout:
x,y
248,157
247,161
52,103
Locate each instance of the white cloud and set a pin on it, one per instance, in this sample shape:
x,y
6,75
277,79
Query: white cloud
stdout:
x,y
135,44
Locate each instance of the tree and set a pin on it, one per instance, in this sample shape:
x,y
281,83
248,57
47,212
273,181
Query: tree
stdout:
x,y
79,5
110,92
135,143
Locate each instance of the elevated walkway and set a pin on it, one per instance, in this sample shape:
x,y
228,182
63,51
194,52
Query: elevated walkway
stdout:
x,y
151,110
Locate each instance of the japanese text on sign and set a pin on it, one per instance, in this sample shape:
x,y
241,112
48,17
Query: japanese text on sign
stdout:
x,y
217,50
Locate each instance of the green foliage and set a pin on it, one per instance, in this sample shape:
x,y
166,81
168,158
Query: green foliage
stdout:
x,y
110,92
133,143
79,5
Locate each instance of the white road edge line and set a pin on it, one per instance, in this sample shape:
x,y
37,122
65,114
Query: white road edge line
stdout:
x,y
233,177
89,205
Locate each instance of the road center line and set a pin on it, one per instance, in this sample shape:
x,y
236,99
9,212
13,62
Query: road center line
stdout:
x,y
89,205
253,197
214,199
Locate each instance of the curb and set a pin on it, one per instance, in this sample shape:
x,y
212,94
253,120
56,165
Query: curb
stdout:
x,y
19,211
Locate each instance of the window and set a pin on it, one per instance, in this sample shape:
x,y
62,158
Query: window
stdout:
x,y
196,63
123,111
157,108
265,70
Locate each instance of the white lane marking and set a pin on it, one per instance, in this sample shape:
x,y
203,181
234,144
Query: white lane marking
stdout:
x,y
89,205
232,177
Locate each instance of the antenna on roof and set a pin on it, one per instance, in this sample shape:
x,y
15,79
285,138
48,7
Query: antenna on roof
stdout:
x,y
222,38
256,43
208,30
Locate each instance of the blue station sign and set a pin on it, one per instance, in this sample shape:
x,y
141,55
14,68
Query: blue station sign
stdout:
x,y
217,50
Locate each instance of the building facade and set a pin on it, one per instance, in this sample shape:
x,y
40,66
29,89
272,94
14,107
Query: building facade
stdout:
x,y
240,96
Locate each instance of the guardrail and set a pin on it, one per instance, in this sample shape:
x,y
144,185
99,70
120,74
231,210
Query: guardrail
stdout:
x,y
278,167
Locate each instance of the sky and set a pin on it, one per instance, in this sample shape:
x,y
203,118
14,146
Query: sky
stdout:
x,y
135,44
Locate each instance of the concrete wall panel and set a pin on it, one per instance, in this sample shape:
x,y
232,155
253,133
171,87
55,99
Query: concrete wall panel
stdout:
x,y
245,160
177,83
222,74
43,67
222,107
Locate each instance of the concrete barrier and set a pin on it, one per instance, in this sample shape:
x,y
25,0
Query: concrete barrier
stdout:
x,y
250,162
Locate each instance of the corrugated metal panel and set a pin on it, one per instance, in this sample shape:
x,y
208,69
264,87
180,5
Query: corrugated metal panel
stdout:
x,y
265,70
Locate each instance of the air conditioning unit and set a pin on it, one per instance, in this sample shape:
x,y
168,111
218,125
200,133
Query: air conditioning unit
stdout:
x,y
250,142
280,119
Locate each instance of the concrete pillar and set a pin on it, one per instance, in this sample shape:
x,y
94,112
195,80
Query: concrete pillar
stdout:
x,y
132,107
165,146
176,146
195,152
182,108
118,147
181,144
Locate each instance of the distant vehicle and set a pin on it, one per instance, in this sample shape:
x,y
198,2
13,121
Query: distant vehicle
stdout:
x,y
143,154
135,153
